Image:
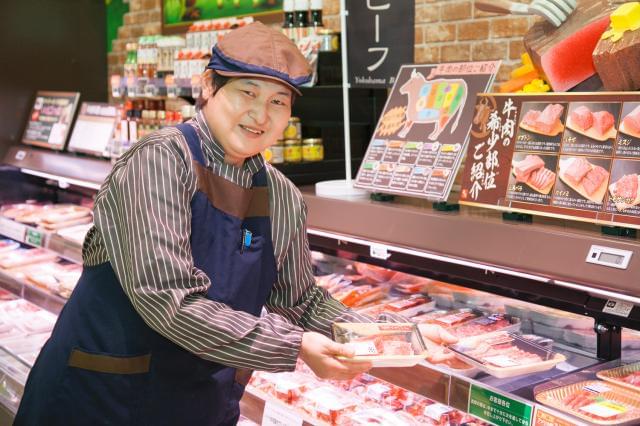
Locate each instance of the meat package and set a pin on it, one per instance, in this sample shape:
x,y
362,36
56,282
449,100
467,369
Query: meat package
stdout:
x,y
546,122
75,234
532,172
7,245
630,124
599,125
382,344
624,192
49,216
360,295
486,324
452,318
627,376
407,307
24,256
379,416
594,401
587,179
503,354
328,404
56,276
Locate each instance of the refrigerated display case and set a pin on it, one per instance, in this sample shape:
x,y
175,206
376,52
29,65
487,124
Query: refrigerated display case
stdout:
x,y
525,270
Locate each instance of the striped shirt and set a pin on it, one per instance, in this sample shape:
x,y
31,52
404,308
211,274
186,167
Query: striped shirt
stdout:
x,y
142,219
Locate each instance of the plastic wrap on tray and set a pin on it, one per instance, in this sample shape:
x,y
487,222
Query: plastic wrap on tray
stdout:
x,y
454,318
559,319
289,387
486,324
407,307
627,376
7,245
379,416
75,234
359,295
23,256
328,404
594,401
504,354
384,345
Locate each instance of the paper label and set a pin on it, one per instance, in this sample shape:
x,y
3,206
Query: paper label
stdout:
x,y
618,307
498,409
20,155
34,237
501,361
278,415
363,348
604,409
435,411
597,387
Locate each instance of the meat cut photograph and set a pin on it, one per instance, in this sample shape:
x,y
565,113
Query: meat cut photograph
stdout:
x,y
598,125
587,179
624,192
546,122
532,172
630,124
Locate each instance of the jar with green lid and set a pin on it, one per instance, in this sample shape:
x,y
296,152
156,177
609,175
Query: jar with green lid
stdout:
x,y
312,149
292,151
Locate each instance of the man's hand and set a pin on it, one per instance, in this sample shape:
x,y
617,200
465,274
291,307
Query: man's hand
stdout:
x,y
435,337
319,353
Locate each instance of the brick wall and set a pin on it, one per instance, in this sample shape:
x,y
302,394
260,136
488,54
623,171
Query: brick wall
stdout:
x,y
446,30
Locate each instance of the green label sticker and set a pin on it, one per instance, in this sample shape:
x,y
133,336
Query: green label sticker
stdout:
x,y
34,237
498,409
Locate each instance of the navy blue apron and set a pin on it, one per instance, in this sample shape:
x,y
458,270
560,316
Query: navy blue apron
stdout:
x,y
104,366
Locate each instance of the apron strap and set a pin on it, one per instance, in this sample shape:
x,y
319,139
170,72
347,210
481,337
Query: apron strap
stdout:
x,y
193,141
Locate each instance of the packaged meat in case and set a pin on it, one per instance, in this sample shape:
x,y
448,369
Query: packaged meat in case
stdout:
x,y
487,324
328,404
627,376
23,256
379,416
384,345
503,354
8,245
594,401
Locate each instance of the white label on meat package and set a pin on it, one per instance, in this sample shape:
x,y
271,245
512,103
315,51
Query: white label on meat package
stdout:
x,y
604,409
597,387
501,361
20,155
363,348
435,411
11,229
379,252
279,415
617,307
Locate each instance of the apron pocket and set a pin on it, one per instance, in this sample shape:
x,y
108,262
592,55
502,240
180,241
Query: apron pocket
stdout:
x,y
104,389
108,363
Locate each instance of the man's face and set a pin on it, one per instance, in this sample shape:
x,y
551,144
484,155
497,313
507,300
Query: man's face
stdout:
x,y
248,115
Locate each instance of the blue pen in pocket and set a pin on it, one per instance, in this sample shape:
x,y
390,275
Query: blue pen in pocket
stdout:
x,y
246,240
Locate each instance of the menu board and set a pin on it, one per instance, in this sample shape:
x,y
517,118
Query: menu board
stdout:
x,y
94,128
423,131
50,119
572,155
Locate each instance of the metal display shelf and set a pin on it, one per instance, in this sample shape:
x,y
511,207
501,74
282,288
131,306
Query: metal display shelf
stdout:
x,y
543,263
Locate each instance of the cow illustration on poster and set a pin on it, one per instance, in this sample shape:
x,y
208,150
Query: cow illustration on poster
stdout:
x,y
435,101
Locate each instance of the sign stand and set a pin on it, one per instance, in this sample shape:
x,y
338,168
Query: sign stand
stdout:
x,y
343,188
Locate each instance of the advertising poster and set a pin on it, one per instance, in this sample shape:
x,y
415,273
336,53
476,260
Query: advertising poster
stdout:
x,y
183,12
423,131
574,156
50,119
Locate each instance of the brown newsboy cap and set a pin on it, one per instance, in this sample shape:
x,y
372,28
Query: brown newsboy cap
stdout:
x,y
256,50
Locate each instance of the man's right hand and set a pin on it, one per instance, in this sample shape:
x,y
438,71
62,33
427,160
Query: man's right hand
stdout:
x,y
319,353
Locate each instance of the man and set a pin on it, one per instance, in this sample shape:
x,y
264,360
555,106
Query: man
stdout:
x,y
194,234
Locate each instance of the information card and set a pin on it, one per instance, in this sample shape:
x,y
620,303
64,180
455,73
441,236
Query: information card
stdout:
x,y
50,119
423,131
574,156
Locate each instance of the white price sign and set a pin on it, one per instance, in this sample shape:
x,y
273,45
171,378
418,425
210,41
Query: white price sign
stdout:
x,y
278,415
617,307
11,229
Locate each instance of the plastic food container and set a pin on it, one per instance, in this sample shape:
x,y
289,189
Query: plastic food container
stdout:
x,y
486,324
502,354
384,344
627,376
594,401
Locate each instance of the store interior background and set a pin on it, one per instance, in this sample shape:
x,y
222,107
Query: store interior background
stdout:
x,y
62,45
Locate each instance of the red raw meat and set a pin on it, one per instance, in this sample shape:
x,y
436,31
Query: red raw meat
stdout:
x,y
541,178
396,347
549,118
570,62
632,120
627,188
531,118
603,121
576,171
594,179
632,378
582,117
524,168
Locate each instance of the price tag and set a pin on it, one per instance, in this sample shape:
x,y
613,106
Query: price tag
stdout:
x,y
20,155
279,415
11,229
544,417
34,237
379,252
617,307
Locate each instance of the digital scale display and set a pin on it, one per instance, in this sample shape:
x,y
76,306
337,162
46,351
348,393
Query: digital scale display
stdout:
x,y
608,256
